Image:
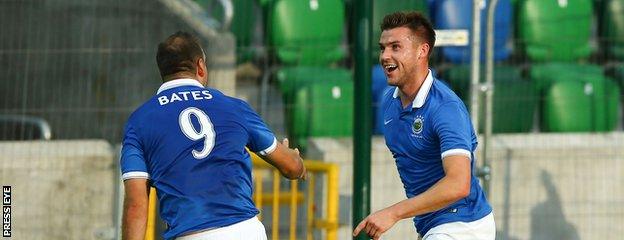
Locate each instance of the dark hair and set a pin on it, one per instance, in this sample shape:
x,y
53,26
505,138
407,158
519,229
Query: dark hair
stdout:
x,y
178,53
415,21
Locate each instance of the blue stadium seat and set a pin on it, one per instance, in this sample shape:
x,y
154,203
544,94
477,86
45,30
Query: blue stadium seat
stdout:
x,y
457,14
379,115
379,84
379,81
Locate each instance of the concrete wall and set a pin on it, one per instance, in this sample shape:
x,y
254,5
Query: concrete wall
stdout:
x,y
544,186
559,186
60,189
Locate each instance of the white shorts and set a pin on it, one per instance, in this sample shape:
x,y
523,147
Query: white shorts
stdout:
x,y
250,229
482,229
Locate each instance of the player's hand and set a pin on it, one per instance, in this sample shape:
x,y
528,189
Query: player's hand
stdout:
x,y
304,173
294,151
376,224
285,143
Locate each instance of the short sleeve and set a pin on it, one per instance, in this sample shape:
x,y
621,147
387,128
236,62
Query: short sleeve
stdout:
x,y
261,139
454,130
132,160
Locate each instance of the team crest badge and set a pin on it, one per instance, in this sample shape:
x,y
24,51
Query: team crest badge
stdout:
x,y
417,126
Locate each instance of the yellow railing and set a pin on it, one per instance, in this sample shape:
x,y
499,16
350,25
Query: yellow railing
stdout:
x,y
150,231
294,198
276,198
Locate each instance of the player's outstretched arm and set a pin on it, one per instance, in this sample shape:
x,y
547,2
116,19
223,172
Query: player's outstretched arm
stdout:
x,y
136,203
287,161
454,186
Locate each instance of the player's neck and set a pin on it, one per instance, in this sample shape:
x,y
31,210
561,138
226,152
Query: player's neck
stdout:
x,y
409,90
178,76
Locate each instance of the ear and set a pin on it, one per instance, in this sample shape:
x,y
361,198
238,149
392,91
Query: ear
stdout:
x,y
424,50
201,67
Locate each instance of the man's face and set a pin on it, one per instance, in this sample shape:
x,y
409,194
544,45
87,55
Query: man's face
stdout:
x,y
399,53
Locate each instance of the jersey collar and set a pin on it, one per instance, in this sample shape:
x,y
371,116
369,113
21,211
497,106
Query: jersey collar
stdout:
x,y
178,83
421,96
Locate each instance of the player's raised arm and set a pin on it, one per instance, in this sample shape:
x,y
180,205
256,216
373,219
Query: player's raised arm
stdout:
x,y
288,161
135,209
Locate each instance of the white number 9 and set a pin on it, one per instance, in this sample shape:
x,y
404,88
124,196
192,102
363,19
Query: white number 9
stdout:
x,y
206,130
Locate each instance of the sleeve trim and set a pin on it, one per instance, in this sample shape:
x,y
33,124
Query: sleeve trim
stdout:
x,y
270,149
456,151
131,175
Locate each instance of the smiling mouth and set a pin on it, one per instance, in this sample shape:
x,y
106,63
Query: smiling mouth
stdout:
x,y
390,67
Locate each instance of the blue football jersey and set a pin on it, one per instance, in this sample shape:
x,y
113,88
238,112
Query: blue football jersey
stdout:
x,y
189,141
419,136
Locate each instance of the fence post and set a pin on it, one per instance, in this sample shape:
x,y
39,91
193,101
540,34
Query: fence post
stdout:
x,y
363,124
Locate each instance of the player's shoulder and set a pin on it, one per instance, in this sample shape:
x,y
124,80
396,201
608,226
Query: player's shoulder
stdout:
x,y
389,92
233,104
215,92
225,98
443,91
442,95
141,111
387,97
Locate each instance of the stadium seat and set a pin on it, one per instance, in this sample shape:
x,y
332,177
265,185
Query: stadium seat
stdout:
x,y
379,114
569,89
381,8
617,73
323,109
458,78
457,14
379,84
555,30
306,32
314,98
305,37
567,108
581,106
290,78
514,107
542,74
514,98
612,29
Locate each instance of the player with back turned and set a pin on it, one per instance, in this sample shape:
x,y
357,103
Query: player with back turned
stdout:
x,y
189,141
430,135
